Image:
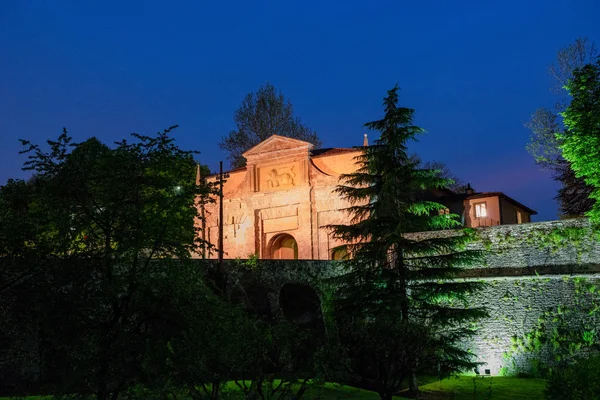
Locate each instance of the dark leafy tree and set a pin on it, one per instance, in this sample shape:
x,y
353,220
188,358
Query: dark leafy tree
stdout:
x,y
261,115
17,232
224,343
457,185
546,127
574,195
21,283
580,143
202,357
400,311
103,227
569,59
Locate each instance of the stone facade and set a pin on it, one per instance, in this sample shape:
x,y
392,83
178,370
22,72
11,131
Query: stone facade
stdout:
x,y
536,273
278,205
538,276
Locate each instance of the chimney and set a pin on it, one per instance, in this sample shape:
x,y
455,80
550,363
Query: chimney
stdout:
x,y
469,190
365,141
198,175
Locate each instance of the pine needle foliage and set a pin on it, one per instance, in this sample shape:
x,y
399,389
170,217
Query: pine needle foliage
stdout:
x,y
397,282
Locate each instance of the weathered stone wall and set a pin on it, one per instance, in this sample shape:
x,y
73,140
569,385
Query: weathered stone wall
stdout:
x,y
284,190
539,275
269,276
544,247
528,316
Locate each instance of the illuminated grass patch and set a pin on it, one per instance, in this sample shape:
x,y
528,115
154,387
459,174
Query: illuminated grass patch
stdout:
x,y
463,387
492,388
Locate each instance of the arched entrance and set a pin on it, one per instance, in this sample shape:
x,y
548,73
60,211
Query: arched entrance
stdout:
x,y
300,304
253,297
340,253
284,247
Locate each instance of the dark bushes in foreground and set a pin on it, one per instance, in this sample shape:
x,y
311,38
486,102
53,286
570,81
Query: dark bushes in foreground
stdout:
x,y
578,381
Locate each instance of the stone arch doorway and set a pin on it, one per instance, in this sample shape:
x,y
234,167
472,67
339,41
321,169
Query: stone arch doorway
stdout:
x,y
284,247
300,304
253,297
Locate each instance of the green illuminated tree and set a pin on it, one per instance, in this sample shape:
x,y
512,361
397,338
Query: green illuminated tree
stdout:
x,y
546,127
261,115
580,143
399,309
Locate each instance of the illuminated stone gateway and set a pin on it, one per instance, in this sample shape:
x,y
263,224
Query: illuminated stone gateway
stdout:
x,y
530,279
276,207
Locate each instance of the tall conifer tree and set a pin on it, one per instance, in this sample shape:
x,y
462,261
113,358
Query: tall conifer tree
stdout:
x,y
400,311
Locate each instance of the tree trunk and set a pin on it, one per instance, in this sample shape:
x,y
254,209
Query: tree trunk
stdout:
x,y
101,393
215,386
413,387
385,396
101,384
301,391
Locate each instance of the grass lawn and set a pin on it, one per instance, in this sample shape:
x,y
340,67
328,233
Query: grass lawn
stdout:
x,y
492,388
464,387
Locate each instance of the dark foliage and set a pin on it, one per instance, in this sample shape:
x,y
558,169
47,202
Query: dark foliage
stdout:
x,y
574,195
578,381
261,115
398,309
88,245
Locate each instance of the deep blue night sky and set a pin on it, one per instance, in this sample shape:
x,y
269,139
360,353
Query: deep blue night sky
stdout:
x,y
473,72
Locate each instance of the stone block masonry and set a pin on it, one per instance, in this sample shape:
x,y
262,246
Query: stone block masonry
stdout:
x,y
534,322
541,294
541,277
553,247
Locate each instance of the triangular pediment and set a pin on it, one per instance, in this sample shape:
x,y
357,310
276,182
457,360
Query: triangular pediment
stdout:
x,y
277,143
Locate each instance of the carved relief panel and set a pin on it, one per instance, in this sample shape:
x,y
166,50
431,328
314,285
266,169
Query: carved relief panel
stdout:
x,y
278,177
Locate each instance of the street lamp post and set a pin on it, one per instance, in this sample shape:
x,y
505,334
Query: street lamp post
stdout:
x,y
221,273
221,216
200,180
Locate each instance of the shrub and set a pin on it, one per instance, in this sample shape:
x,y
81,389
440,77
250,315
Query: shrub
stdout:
x,y
578,381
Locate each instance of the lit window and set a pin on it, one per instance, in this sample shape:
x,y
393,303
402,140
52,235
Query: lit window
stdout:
x,y
480,210
444,211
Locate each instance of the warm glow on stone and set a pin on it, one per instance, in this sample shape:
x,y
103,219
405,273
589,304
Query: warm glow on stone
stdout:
x,y
289,188
277,206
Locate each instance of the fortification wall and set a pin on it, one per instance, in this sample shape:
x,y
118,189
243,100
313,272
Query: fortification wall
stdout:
x,y
541,290
534,320
564,246
541,294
